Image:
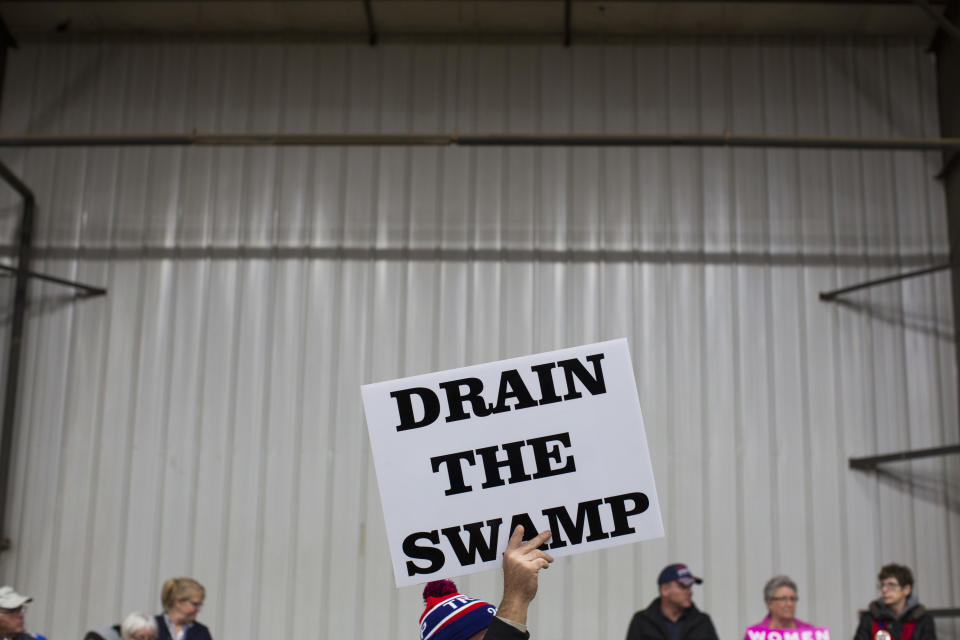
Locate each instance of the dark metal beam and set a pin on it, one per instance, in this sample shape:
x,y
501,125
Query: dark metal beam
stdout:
x,y
947,51
870,462
827,296
371,28
16,341
944,22
758,2
87,290
485,140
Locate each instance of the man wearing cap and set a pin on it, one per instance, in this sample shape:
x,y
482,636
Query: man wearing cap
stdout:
x,y
673,616
13,609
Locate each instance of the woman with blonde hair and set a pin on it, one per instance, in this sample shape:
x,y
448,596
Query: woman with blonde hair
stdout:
x,y
182,600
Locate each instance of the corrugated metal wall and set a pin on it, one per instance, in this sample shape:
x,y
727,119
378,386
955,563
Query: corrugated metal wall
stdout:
x,y
205,417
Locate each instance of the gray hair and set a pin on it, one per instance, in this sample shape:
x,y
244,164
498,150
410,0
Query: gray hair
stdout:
x,y
135,622
775,583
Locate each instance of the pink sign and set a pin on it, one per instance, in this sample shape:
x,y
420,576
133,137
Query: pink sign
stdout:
x,y
810,633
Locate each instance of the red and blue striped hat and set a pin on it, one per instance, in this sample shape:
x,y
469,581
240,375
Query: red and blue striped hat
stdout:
x,y
450,615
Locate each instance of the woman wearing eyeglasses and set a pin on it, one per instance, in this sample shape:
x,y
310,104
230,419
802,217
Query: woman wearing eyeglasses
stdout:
x,y
896,614
780,594
182,600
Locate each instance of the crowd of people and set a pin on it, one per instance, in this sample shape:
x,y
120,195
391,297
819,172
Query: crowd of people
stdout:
x,y
182,599
896,615
448,615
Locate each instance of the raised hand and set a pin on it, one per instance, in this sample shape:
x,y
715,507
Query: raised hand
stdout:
x,y
522,562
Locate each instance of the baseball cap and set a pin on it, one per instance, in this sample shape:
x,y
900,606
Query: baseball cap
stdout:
x,y
10,599
680,573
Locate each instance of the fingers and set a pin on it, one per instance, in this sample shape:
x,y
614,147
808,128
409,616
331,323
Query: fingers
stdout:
x,y
516,540
535,541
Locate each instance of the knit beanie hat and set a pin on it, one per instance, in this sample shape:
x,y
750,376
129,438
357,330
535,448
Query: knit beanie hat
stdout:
x,y
451,616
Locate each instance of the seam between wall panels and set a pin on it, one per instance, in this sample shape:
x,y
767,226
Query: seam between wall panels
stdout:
x,y
89,533
900,298
802,277
97,440
88,536
324,596
63,421
704,353
303,267
735,321
599,282
115,204
369,314
769,361
132,424
870,400
834,347
306,281
271,268
324,599
239,274
171,329
65,428
668,324
165,420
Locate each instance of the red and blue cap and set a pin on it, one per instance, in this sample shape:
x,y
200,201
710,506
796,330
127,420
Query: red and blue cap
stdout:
x,y
450,615
678,572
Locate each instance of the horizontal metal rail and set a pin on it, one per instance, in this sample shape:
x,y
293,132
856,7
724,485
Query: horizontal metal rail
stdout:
x,y
482,140
870,462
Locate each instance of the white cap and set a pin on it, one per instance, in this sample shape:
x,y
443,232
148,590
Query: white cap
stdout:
x,y
10,599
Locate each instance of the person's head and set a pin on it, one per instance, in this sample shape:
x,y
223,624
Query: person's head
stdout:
x,y
182,599
780,594
451,616
895,582
676,586
138,626
13,609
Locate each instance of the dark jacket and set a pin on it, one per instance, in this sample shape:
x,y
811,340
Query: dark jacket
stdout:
x,y
110,633
499,630
650,624
913,623
196,631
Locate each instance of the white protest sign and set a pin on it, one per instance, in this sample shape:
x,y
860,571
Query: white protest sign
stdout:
x,y
554,440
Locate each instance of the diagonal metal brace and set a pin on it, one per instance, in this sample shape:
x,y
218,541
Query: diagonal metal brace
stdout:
x,y
86,290
871,462
829,296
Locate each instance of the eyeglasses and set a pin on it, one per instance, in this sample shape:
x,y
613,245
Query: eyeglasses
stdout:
x,y
785,599
888,584
14,611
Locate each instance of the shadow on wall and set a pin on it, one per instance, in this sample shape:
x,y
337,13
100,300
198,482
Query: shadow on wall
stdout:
x,y
931,483
44,117
909,319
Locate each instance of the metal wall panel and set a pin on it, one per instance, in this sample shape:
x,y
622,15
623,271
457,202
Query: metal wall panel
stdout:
x,y
204,417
